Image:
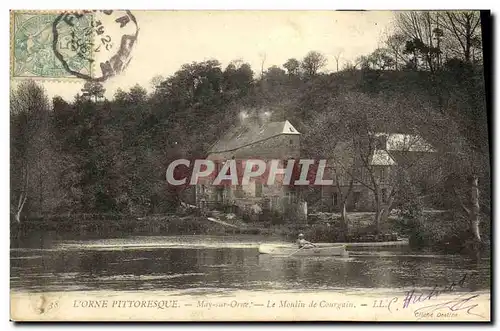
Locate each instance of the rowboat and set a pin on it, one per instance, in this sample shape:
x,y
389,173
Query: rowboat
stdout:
x,y
293,250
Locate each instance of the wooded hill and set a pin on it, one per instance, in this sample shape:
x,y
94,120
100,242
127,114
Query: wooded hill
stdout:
x,y
96,155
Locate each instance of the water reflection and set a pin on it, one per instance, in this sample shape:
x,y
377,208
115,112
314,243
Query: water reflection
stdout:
x,y
226,264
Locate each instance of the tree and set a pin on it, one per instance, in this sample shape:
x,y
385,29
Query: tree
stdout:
x,y
93,90
138,94
360,155
194,84
120,95
380,59
461,133
156,81
419,29
337,56
349,66
237,79
324,143
263,57
312,63
464,30
395,45
292,66
362,61
275,75
29,111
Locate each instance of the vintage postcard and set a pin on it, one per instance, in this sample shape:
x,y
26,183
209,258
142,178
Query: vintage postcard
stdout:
x,y
249,166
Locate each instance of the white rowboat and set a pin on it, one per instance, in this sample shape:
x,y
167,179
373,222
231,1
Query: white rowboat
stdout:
x,y
293,250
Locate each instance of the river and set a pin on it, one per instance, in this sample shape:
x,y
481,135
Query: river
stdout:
x,y
207,264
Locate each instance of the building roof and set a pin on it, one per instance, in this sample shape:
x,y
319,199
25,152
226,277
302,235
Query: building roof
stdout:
x,y
249,134
397,143
402,142
382,158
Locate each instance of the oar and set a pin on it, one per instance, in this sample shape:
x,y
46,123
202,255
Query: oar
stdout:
x,y
296,251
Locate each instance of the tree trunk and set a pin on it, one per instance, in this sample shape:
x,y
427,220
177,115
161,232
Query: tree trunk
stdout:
x,y
378,213
388,208
40,193
468,38
474,210
23,196
344,221
378,216
22,201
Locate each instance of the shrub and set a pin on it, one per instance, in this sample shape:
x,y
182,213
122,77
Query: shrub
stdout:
x,y
322,233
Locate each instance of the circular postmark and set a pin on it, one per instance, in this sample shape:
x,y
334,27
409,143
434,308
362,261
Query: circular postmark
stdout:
x,y
103,38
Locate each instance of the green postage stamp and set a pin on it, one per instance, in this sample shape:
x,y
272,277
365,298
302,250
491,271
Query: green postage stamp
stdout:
x,y
91,45
32,46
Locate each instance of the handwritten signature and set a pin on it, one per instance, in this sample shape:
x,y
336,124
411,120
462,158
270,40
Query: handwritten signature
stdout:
x,y
412,297
462,302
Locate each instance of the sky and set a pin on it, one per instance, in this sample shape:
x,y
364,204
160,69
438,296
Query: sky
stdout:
x,y
168,39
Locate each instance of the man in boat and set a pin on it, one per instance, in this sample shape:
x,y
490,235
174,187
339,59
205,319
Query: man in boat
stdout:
x,y
302,243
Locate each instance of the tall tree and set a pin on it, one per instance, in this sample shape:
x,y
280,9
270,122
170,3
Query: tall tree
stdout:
x,y
263,57
464,31
292,66
29,113
312,63
337,55
395,45
324,143
237,79
380,59
93,90
419,28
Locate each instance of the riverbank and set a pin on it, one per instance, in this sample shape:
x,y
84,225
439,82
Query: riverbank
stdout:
x,y
439,230
242,305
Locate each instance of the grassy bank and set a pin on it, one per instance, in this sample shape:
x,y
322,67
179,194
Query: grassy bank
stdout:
x,y
438,230
445,231
119,225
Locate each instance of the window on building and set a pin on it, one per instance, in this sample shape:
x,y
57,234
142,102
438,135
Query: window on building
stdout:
x,y
258,189
290,196
335,199
383,174
291,141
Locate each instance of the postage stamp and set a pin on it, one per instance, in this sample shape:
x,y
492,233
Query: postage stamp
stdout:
x,y
90,45
32,46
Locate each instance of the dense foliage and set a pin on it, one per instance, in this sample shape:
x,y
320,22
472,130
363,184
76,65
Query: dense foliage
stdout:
x,y
95,155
